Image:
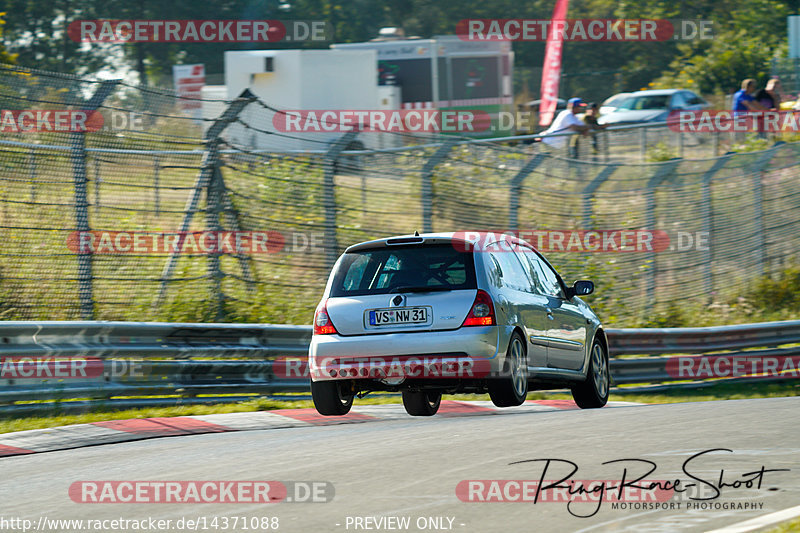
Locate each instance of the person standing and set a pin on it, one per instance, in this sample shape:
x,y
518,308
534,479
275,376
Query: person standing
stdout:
x,y
566,121
770,96
743,99
590,119
744,102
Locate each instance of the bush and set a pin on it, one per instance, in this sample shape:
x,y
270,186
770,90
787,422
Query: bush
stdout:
x,y
782,292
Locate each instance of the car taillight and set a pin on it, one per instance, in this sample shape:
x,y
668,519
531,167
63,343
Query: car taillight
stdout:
x,y
482,312
322,322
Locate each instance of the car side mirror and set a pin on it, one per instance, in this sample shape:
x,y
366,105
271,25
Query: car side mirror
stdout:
x,y
580,288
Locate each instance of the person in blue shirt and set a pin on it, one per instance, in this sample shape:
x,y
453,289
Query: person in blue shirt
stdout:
x,y
743,99
745,102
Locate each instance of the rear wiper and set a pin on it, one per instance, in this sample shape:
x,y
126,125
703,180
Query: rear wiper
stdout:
x,y
420,289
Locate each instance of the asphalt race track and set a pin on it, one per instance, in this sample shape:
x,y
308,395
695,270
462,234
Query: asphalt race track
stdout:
x,y
386,472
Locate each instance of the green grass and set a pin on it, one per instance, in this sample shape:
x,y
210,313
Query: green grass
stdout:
x,y
731,391
788,527
722,391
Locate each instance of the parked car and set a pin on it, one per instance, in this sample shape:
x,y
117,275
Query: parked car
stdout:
x,y
446,313
610,104
652,106
560,104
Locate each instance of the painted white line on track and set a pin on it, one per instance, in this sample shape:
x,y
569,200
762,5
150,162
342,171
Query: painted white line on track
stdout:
x,y
760,521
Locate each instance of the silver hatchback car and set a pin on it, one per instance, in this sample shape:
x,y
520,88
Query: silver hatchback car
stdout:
x,y
447,313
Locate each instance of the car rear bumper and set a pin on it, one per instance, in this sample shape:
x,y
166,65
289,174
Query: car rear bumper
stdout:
x,y
465,353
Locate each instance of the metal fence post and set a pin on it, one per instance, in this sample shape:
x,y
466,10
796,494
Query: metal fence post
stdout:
x,y
214,209
516,185
643,144
663,172
32,173
209,166
329,195
707,216
758,203
364,193
156,199
80,179
427,183
97,181
588,194
231,217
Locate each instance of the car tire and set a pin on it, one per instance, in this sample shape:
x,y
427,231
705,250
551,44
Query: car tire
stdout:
x,y
511,388
421,403
593,392
330,399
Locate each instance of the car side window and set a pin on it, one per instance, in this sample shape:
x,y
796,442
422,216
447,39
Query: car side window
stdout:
x,y
547,277
513,275
679,100
528,257
695,100
494,272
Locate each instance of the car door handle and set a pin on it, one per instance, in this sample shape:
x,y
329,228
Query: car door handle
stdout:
x,y
549,313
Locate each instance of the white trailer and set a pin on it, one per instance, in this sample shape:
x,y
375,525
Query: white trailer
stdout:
x,y
447,73
298,80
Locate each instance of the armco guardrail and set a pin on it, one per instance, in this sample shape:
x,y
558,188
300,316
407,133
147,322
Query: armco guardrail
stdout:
x,y
702,340
198,363
132,364
726,342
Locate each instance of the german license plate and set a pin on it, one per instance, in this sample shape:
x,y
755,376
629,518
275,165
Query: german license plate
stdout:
x,y
405,315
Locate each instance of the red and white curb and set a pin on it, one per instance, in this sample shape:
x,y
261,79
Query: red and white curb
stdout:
x,y
112,431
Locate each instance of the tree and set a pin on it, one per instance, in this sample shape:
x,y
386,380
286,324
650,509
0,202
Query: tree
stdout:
x,y
36,33
5,57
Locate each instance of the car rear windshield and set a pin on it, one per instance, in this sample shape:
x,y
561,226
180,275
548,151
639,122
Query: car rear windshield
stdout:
x,y
420,267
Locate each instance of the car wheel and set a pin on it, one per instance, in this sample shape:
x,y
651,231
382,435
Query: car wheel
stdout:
x,y
330,399
512,387
593,392
421,403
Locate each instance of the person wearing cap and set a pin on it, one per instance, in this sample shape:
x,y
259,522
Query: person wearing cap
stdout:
x,y
566,121
770,96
